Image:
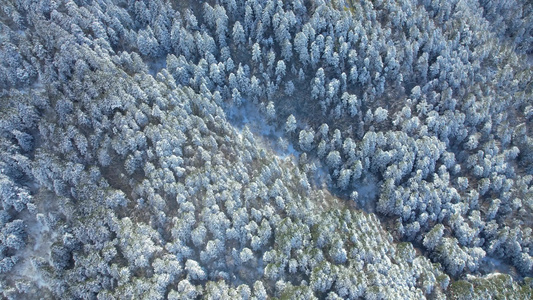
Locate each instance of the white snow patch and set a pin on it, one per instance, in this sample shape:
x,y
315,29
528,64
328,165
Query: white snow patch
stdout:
x,y
289,151
497,266
267,135
42,241
367,192
156,65
493,275
320,176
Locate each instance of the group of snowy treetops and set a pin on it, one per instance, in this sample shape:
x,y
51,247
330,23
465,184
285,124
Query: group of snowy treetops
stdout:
x,y
402,166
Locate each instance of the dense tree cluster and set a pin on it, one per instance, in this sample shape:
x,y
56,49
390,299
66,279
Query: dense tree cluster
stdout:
x,y
125,174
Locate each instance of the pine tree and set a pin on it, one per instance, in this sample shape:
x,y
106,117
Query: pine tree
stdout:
x,y
238,34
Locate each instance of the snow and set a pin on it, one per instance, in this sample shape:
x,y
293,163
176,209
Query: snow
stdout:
x,y
368,192
290,151
494,266
249,114
41,249
156,65
320,178
492,275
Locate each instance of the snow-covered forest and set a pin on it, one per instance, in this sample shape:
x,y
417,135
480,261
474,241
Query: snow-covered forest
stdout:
x,y
266,149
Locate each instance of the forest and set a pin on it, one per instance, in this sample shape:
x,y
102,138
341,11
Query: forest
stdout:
x,y
266,149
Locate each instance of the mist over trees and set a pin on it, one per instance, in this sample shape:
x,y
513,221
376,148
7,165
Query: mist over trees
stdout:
x,y
262,149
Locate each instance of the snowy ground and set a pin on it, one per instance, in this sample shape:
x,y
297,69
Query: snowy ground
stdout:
x,y
268,136
493,266
156,65
367,192
41,242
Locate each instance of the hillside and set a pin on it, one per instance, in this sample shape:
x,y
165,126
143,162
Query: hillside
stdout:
x,y
262,149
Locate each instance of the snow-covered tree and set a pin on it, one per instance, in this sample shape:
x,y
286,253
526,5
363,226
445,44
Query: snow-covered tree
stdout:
x,y
306,139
